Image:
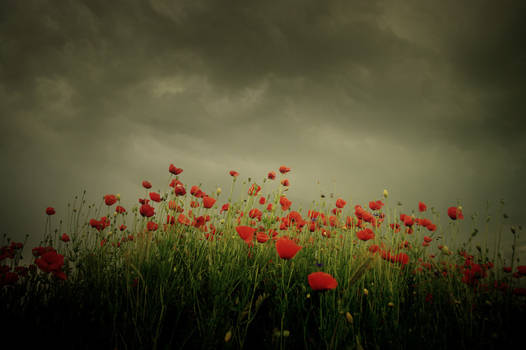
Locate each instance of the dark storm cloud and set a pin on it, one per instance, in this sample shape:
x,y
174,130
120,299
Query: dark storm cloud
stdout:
x,y
422,97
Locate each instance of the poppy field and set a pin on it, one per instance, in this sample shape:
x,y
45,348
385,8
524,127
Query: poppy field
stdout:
x,y
189,269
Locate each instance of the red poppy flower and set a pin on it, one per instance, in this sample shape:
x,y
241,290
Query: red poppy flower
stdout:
x,y
272,175
422,206
283,169
246,233
285,182
427,239
179,190
408,220
224,208
234,173
110,199
374,248
376,205
152,226
401,258
50,211
262,237
340,203
255,213
506,269
322,281
182,219
120,209
174,170
146,184
122,227
455,213
147,210
64,237
365,234
287,248
285,203
154,196
262,200
269,207
50,261
254,190
208,202
521,270
144,200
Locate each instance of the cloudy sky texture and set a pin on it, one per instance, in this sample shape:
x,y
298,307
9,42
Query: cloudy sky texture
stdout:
x,y
424,98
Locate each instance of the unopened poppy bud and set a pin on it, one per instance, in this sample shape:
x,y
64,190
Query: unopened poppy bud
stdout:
x,y
308,295
118,195
228,336
365,291
386,193
349,318
390,304
218,191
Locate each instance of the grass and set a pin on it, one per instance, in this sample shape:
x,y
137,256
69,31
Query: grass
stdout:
x,y
182,287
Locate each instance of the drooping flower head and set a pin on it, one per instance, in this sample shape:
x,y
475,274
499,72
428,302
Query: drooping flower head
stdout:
x,y
174,170
283,169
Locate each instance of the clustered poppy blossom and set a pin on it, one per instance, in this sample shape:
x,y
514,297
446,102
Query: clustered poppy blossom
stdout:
x,y
340,203
119,209
154,196
100,224
48,260
320,281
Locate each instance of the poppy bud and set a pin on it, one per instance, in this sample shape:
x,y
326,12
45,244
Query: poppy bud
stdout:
x,y
349,318
386,193
228,336
365,292
390,304
218,191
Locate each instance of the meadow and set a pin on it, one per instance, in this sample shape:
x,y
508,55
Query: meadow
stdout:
x,y
187,269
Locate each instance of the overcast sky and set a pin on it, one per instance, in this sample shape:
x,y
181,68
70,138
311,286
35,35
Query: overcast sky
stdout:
x,y
424,98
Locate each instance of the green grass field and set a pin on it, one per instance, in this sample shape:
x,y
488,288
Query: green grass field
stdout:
x,y
182,271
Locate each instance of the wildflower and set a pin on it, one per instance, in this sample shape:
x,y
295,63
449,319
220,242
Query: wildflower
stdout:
x,y
287,248
521,270
152,226
376,205
283,169
254,190
147,210
50,261
340,203
174,170
427,239
119,209
262,200
246,233
285,203
179,190
454,213
50,211
365,234
208,202
154,196
506,269
224,208
271,175
422,206
234,173
285,182
64,237
262,237
146,184
322,281
110,199
122,227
